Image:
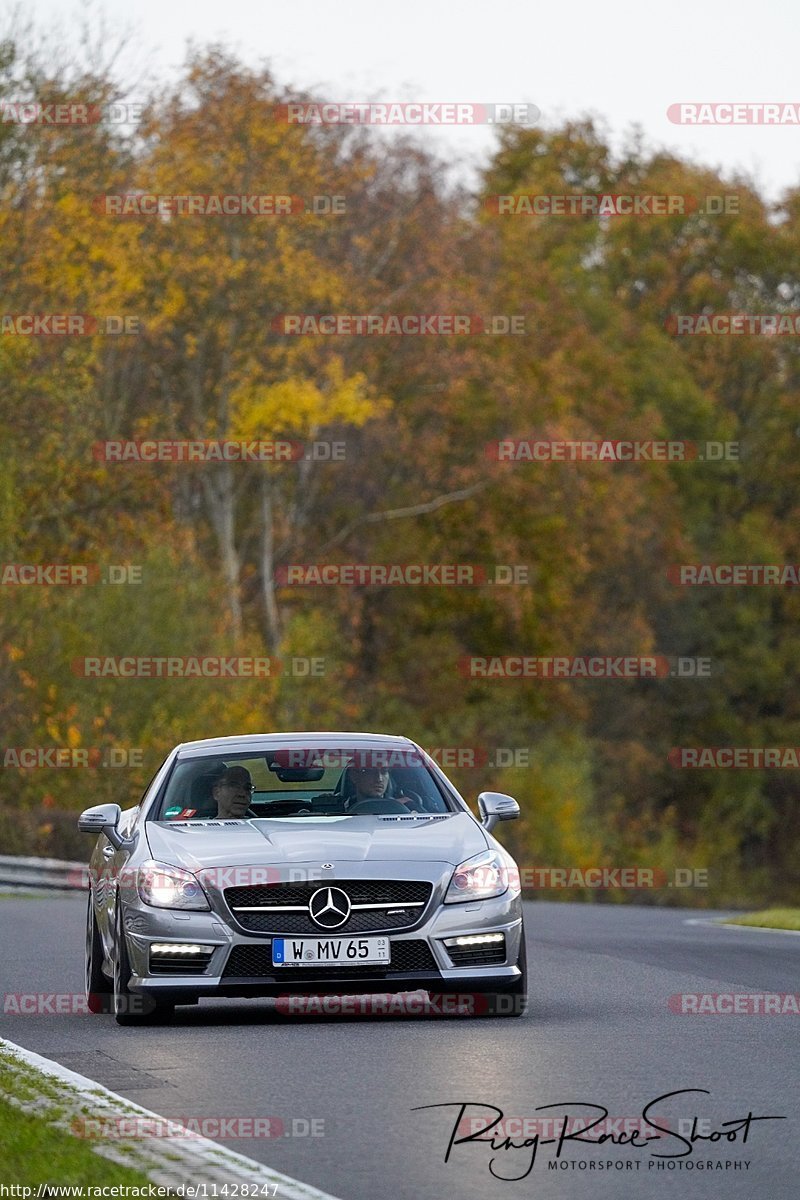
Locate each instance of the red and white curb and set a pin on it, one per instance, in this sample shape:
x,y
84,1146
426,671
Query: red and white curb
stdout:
x,y
168,1162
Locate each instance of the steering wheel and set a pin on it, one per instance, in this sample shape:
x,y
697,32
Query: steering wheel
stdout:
x,y
287,808
298,808
417,804
380,804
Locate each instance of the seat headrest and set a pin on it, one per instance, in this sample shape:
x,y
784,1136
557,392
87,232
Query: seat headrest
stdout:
x,y
200,797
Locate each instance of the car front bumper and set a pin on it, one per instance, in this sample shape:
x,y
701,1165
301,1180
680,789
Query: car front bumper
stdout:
x,y
240,964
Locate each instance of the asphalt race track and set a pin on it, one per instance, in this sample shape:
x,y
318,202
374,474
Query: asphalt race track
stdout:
x,y
599,1030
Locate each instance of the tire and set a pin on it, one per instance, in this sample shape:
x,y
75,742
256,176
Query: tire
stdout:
x,y
132,1007
99,989
505,1000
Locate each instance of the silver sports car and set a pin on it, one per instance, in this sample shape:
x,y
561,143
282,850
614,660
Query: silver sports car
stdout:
x,y
301,864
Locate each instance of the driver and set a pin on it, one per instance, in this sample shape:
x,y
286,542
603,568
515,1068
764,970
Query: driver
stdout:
x,y
372,783
232,792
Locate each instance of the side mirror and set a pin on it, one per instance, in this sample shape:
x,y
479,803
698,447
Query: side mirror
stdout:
x,y
103,818
496,806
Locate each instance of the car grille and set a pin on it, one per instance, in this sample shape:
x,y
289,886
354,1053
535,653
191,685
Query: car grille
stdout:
x,y
379,892
478,956
256,962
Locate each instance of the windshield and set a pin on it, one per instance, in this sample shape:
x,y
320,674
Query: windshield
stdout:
x,y
299,781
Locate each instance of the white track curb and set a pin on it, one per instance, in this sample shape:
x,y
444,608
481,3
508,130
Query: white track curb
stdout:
x,y
732,925
167,1161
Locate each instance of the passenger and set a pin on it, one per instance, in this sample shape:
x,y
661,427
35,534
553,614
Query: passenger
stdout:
x,y
232,792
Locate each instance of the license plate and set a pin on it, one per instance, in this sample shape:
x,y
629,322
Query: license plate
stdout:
x,y
330,952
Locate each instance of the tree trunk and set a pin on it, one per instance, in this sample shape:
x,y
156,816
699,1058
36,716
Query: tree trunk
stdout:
x,y
220,495
271,611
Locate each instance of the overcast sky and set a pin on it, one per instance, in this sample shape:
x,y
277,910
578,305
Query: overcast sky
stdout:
x,y
626,61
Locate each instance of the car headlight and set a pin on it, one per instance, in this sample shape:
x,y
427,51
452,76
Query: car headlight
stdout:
x,y
163,886
479,878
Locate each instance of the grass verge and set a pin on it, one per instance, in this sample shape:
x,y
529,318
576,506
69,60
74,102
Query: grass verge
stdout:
x,y
770,918
33,1152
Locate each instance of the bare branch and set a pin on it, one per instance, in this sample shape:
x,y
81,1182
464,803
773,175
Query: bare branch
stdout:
x,y
413,510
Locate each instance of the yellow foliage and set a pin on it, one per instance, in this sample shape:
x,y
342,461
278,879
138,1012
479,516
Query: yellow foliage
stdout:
x,y
298,405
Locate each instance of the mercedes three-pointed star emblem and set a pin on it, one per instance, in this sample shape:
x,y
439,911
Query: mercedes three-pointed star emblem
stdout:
x,y
329,907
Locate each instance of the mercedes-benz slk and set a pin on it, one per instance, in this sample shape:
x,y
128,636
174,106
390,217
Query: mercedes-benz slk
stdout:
x,y
351,865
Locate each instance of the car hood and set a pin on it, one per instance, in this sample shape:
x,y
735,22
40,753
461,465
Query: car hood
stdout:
x,y
290,840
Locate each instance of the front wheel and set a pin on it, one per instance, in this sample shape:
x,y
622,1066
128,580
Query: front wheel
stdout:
x,y
99,990
132,1007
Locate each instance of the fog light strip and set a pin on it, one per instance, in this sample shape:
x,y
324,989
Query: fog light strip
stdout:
x,y
477,939
179,948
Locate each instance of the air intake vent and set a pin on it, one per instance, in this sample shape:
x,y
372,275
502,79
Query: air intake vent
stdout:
x,y
482,950
179,958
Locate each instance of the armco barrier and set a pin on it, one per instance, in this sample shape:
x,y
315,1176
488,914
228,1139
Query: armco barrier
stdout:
x,y
43,873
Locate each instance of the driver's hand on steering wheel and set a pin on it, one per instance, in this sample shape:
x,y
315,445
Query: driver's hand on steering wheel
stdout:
x,y
412,802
